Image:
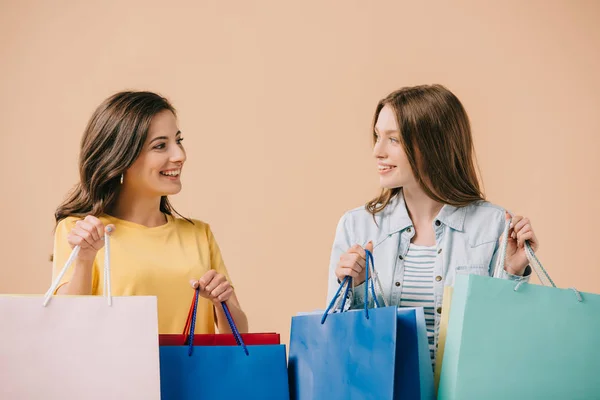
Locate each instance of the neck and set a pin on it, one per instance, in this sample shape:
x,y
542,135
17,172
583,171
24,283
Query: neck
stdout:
x,y
139,209
422,209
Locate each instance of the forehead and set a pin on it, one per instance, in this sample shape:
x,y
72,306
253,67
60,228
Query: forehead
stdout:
x,y
386,120
163,124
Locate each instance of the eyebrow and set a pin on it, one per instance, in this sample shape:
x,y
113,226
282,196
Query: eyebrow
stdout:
x,y
163,137
388,131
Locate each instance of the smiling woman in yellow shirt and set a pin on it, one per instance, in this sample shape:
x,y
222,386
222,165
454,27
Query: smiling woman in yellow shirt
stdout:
x,y
131,159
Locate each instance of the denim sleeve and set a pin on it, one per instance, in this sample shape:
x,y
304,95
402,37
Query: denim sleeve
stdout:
x,y
341,244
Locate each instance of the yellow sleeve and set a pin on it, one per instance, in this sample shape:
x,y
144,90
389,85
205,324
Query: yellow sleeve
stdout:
x,y
62,251
216,259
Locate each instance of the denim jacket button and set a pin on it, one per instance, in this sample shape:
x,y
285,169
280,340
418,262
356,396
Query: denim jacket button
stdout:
x,y
438,278
397,283
409,230
437,223
400,257
439,251
439,310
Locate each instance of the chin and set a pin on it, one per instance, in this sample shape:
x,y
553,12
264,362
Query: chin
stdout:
x,y
170,191
388,184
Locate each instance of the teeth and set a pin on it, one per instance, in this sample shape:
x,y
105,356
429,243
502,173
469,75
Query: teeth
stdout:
x,y
384,168
172,173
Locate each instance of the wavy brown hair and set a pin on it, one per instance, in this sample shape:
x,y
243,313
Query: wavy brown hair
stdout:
x,y
112,141
436,135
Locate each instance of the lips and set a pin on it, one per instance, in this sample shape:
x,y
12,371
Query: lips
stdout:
x,y
385,167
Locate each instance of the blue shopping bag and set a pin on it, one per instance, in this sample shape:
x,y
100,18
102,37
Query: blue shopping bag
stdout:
x,y
223,372
508,340
378,354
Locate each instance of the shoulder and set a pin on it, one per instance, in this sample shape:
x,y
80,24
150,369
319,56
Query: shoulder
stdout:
x,y
358,225
356,218
66,224
484,221
192,226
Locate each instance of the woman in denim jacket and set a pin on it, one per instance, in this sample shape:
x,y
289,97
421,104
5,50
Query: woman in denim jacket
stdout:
x,y
431,221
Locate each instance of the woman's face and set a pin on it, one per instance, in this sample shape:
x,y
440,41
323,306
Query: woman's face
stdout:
x,y
157,170
393,166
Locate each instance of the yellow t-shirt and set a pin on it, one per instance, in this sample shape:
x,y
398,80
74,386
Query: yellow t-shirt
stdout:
x,y
158,261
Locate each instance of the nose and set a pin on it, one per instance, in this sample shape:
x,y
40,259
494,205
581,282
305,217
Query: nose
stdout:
x,y
178,155
379,149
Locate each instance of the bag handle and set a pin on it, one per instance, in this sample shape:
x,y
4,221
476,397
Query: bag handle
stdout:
x,y
191,322
534,262
347,281
72,257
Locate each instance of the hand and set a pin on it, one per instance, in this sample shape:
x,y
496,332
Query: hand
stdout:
x,y
352,263
214,287
520,231
88,234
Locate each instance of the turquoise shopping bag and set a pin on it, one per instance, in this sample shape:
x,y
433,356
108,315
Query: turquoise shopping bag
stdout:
x,y
507,340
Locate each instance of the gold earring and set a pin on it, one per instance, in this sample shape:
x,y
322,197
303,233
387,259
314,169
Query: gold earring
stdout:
x,y
121,179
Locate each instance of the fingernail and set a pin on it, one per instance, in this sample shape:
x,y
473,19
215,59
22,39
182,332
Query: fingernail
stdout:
x,y
109,229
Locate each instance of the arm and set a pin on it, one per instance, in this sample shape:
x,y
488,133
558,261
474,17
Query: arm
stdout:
x,y
238,315
216,286
347,258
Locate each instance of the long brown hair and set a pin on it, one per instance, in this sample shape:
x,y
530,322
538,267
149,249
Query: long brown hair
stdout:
x,y
436,135
112,141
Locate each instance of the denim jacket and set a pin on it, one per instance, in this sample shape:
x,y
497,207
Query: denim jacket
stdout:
x,y
466,241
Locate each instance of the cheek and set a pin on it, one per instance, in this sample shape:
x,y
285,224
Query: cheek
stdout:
x,y
398,156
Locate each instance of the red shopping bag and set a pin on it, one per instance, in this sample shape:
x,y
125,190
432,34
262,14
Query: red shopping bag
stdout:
x,y
219,339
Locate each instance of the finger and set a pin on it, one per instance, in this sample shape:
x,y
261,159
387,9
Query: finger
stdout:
x,y
345,271
219,290
206,278
356,249
353,261
194,284
86,226
369,246
521,224
507,216
75,240
525,229
97,224
85,235
110,229
225,295
214,283
523,237
515,221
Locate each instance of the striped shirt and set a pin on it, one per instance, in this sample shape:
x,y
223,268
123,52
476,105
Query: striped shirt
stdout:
x,y
418,286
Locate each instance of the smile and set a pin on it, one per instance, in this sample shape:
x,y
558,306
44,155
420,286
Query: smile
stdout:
x,y
385,168
171,173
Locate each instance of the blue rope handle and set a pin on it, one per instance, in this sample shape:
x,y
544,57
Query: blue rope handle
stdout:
x,y
234,329
346,280
193,324
369,263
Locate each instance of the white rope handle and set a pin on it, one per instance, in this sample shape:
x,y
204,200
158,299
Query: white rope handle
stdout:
x,y
107,289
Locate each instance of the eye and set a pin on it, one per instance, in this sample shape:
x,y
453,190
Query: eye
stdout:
x,y
394,140
376,137
179,140
159,146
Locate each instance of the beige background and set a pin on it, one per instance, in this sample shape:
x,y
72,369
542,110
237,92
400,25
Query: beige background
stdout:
x,y
275,100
